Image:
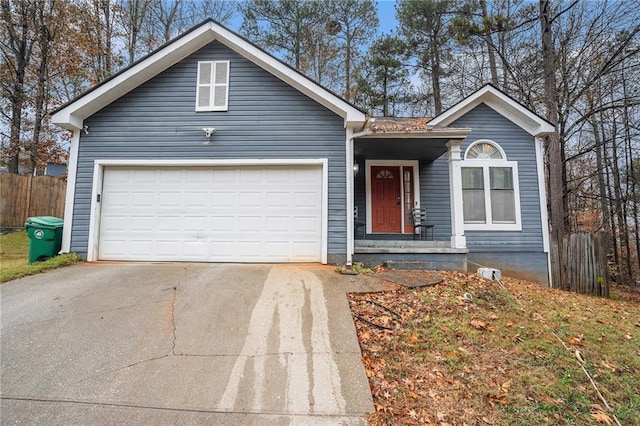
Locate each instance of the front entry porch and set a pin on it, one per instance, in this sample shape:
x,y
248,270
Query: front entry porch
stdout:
x,y
394,176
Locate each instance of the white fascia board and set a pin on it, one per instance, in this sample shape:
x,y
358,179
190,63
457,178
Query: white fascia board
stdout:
x,y
503,104
353,117
66,120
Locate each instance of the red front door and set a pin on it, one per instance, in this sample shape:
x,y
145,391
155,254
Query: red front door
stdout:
x,y
385,199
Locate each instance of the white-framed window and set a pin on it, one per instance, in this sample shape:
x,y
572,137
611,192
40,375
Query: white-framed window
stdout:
x,y
490,189
212,92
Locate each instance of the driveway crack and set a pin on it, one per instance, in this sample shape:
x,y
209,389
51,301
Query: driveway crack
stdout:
x,y
174,299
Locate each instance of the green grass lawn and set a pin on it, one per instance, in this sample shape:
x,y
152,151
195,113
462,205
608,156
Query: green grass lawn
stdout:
x,y
14,252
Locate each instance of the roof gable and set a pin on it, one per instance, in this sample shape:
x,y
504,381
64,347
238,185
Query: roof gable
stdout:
x,y
72,115
501,103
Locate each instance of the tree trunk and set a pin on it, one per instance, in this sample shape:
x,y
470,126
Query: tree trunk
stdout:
x,y
623,234
630,181
435,76
41,90
490,47
20,44
553,141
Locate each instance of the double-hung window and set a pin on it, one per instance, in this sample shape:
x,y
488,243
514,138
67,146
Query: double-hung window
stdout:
x,y
490,191
212,93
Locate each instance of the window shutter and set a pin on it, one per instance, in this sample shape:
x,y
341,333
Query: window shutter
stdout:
x,y
213,86
221,85
203,94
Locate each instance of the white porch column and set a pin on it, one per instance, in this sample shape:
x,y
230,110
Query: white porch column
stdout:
x,y
349,178
458,240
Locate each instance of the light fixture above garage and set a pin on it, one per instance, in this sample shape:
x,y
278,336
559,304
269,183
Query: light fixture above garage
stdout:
x,y
208,132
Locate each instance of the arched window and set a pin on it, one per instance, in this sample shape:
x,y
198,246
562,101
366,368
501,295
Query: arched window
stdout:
x,y
484,150
490,191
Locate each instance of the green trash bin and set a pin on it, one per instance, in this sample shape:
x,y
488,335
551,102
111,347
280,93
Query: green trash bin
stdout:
x,y
45,237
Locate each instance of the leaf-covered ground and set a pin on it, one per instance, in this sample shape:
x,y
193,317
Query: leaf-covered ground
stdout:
x,y
476,352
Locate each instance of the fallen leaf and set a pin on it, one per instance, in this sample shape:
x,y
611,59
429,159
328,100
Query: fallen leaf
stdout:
x,y
576,341
413,414
414,339
498,399
579,357
505,386
628,337
463,350
479,324
602,417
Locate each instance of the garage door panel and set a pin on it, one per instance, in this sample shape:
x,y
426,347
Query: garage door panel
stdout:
x,y
305,224
144,176
305,199
119,198
250,199
277,224
171,176
141,199
196,249
277,176
251,176
140,248
197,199
196,223
170,199
277,199
224,175
170,223
304,249
245,214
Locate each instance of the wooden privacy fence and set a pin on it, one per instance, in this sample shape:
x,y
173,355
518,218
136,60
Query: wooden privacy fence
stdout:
x,y
25,196
580,264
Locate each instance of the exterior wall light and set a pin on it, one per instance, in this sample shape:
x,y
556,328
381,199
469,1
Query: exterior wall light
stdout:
x,y
208,132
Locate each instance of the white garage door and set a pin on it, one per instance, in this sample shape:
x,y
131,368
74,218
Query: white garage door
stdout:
x,y
219,214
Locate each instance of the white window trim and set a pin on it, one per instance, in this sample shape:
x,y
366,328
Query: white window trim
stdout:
x,y
212,87
487,141
489,226
416,186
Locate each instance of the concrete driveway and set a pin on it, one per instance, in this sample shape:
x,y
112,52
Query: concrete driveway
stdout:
x,y
180,344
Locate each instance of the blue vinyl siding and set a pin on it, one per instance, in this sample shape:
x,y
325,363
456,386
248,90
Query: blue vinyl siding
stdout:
x,y
518,146
435,197
266,119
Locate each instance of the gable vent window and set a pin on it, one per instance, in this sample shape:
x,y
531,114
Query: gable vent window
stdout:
x,y
213,86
